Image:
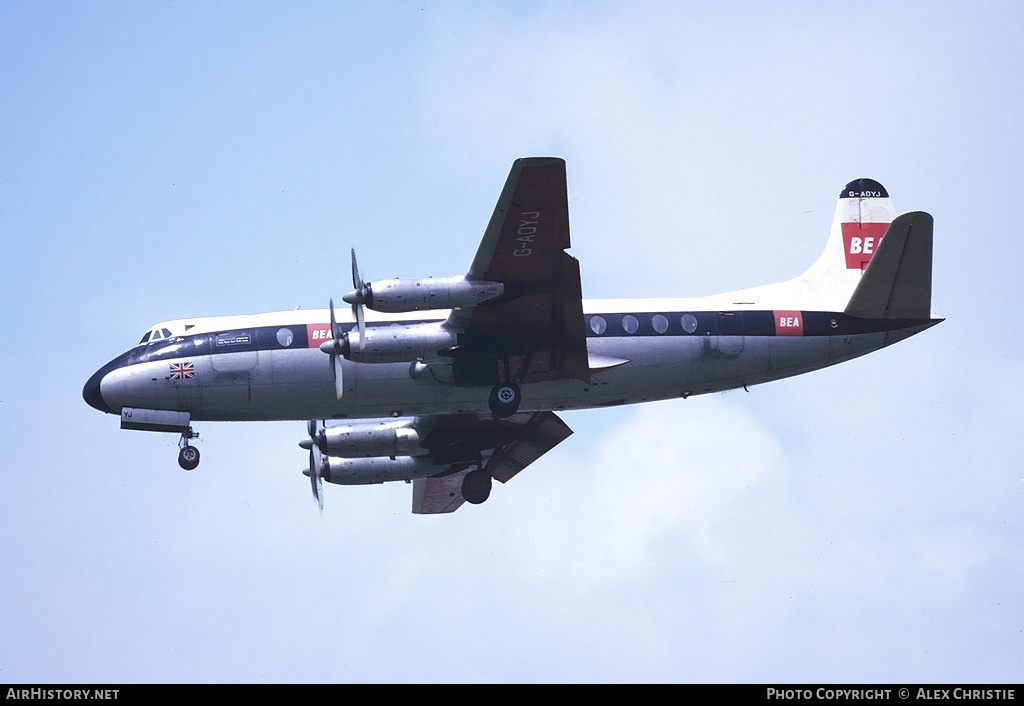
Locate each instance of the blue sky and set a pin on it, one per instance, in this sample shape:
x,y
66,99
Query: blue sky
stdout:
x,y
861,523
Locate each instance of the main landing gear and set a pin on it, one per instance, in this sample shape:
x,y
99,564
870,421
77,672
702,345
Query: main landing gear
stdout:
x,y
506,396
476,486
188,456
505,399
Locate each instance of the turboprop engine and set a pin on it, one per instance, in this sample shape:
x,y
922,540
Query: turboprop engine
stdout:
x,y
366,471
417,344
391,439
398,343
365,453
404,294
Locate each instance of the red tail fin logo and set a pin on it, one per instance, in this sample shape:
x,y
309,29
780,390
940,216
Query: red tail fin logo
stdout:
x,y
860,240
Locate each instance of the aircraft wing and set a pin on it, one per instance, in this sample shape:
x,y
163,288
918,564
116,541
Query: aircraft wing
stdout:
x,y
506,446
540,314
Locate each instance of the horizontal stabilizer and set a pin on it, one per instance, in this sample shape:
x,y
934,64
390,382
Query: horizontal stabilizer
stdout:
x,y
897,283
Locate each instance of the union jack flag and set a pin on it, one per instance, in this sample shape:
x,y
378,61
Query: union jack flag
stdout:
x,y
180,371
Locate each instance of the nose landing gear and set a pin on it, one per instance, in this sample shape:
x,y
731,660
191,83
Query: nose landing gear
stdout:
x,y
188,456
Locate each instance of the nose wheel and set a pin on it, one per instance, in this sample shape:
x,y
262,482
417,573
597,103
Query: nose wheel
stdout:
x,y
188,456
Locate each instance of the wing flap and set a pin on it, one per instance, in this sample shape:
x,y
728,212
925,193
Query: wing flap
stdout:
x,y
505,447
543,432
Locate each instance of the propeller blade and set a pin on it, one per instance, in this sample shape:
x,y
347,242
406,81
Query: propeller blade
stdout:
x,y
357,281
333,347
315,471
361,324
335,331
357,298
319,469
339,385
317,437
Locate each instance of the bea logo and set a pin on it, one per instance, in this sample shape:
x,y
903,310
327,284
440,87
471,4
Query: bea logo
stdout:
x,y
318,333
860,241
789,323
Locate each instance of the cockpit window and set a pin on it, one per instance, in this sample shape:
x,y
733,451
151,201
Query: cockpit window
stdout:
x,y
156,334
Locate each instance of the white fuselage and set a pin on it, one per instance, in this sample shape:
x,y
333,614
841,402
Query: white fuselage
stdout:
x,y
270,367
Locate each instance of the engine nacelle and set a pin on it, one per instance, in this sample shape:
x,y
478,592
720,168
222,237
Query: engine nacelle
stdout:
x,y
364,471
403,294
365,440
399,343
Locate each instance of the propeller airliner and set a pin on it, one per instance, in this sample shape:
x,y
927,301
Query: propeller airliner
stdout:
x,y
449,383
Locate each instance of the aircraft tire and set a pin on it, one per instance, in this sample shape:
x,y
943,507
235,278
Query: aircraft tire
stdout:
x,y
476,486
188,457
505,399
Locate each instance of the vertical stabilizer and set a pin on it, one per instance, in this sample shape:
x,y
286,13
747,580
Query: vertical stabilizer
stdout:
x,y
863,213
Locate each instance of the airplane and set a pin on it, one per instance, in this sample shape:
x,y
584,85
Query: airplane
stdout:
x,y
452,382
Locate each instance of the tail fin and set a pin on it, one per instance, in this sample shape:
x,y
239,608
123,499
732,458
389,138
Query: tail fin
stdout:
x,y
872,267
863,213
898,282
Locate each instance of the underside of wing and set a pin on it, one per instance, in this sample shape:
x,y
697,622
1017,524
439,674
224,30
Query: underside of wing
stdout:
x,y
536,326
503,447
435,496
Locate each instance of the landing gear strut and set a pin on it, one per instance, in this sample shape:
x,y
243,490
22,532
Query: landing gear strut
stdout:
x,y
188,456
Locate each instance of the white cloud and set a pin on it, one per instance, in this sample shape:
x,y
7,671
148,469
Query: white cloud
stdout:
x,y
673,475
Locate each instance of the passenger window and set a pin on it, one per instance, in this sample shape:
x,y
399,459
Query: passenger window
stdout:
x,y
689,322
598,325
630,323
660,323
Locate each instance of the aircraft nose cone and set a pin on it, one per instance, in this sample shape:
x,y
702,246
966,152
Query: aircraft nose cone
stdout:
x,y
92,395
